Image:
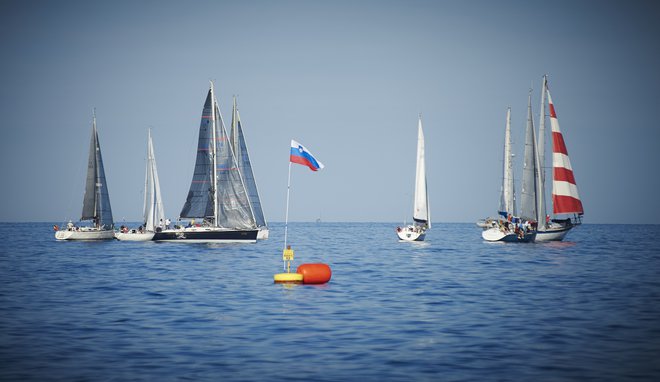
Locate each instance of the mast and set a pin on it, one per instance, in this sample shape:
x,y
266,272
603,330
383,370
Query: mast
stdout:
x,y
214,152
145,209
541,158
529,201
507,205
97,185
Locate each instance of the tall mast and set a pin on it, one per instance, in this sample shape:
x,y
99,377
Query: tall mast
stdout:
x,y
145,208
214,152
507,198
541,158
97,185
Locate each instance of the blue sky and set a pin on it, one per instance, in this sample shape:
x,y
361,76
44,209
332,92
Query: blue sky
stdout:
x,y
345,78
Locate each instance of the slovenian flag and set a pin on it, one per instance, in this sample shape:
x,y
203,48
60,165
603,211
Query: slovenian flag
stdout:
x,y
300,154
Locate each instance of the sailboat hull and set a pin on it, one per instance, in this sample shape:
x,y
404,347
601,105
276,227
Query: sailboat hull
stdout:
x,y
134,236
207,235
496,234
263,233
85,234
411,233
553,234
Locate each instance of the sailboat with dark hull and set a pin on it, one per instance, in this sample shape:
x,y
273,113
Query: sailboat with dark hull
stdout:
x,y
217,198
96,201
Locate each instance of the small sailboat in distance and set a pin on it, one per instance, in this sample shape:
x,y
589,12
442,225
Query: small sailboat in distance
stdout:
x,y
421,212
154,212
96,202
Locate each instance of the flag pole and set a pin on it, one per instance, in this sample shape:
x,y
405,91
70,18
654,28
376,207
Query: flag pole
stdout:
x,y
286,217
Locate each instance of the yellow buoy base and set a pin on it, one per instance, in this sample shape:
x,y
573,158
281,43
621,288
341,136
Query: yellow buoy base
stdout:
x,y
288,278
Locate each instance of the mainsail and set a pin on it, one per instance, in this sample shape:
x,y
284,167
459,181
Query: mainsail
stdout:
x,y
199,202
96,202
242,155
153,204
565,198
421,212
217,193
507,204
528,207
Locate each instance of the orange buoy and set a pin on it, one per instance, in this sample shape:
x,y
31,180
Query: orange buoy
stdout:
x,y
315,273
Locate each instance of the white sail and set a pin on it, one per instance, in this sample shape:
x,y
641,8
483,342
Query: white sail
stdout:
x,y
154,211
421,213
507,204
529,201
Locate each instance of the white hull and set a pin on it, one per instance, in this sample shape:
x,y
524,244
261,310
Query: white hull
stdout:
x,y
496,234
411,233
85,234
263,233
553,234
134,236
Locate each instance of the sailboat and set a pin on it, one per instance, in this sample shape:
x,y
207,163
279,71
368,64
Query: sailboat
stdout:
x,y
96,201
421,212
565,197
507,195
217,197
239,146
514,228
153,212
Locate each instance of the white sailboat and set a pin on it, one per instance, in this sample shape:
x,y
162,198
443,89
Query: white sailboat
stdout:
x,y
237,140
507,194
565,198
513,228
153,212
96,202
421,211
217,198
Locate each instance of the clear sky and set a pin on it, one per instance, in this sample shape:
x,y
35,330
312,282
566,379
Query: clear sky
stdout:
x,y
345,78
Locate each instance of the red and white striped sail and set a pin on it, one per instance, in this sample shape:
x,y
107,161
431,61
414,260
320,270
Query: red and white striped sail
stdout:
x,y
565,198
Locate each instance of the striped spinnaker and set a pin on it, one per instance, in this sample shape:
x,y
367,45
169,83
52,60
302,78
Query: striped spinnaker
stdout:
x,y
565,197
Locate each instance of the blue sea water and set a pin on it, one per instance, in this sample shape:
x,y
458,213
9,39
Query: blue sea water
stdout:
x,y
453,308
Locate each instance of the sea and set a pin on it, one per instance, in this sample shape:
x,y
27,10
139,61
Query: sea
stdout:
x,y
451,308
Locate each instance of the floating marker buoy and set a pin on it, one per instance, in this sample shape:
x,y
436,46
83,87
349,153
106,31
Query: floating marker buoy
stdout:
x,y
314,273
288,278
